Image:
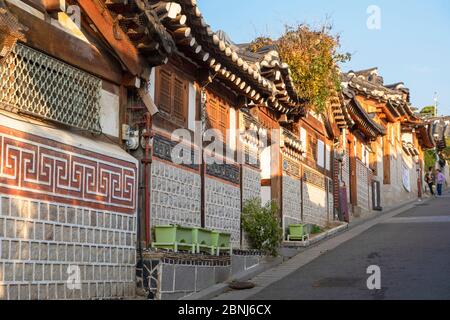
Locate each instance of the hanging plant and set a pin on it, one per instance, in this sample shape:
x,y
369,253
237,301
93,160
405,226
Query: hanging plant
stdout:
x,y
313,60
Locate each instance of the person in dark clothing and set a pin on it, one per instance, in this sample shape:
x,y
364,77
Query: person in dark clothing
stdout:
x,y
430,179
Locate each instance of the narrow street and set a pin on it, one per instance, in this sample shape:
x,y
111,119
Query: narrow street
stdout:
x,y
412,250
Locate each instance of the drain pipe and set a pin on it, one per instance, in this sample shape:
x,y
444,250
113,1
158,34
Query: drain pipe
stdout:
x,y
146,161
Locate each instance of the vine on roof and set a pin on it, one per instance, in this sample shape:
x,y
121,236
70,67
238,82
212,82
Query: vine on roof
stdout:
x,y
313,58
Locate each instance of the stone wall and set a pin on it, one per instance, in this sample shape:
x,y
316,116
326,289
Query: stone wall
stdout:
x,y
363,187
292,210
315,203
251,183
346,176
251,189
315,208
179,275
175,195
44,244
331,202
223,208
67,215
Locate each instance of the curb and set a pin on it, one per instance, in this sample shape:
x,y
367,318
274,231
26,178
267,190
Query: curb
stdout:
x,y
221,288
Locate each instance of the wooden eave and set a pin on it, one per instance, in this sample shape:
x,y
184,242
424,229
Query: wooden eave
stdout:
x,y
117,39
184,24
363,121
425,137
142,27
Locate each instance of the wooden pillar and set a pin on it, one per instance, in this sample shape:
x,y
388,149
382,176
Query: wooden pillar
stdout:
x,y
277,172
386,160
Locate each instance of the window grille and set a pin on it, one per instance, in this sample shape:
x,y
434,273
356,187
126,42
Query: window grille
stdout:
x,y
36,84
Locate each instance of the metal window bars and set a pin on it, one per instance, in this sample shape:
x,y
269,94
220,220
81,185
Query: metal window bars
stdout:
x,y
36,84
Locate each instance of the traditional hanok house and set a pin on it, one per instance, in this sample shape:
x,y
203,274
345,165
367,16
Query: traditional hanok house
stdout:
x,y
381,173
439,130
223,86
298,171
207,82
68,191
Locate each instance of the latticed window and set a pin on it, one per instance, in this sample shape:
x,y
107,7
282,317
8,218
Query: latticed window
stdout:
x,y
172,95
218,114
36,84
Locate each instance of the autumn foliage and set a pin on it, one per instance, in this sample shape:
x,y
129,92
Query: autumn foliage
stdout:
x,y
313,58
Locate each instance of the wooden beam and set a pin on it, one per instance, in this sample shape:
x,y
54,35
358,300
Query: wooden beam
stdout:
x,y
115,36
63,46
54,5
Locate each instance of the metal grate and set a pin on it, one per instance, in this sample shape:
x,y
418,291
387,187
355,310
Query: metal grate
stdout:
x,y
34,83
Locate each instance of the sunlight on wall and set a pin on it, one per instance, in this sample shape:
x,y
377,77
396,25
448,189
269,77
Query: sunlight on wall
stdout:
x,y
316,196
2,289
23,227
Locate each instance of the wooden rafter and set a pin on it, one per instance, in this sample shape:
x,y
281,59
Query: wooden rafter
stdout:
x,y
116,37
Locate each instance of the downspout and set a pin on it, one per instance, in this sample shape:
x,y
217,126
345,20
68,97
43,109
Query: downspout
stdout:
x,y
146,162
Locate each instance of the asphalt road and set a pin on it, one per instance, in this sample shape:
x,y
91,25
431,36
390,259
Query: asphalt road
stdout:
x,y
411,249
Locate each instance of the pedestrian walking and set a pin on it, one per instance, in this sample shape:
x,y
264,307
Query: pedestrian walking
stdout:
x,y
430,179
440,180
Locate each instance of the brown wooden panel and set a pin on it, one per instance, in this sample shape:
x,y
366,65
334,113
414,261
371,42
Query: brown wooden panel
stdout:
x,y
386,160
353,174
171,97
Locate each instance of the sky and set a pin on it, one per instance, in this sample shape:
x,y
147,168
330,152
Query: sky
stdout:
x,y
409,41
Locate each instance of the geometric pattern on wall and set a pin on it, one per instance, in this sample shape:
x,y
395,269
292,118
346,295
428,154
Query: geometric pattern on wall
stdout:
x,y
42,169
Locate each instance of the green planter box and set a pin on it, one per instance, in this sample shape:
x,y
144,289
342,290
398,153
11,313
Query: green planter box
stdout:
x,y
173,238
221,241
298,232
202,239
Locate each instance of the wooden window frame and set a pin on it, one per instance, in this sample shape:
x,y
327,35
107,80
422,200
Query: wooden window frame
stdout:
x,y
170,113
216,117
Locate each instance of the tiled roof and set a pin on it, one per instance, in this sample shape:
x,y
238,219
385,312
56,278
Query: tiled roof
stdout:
x,y
262,77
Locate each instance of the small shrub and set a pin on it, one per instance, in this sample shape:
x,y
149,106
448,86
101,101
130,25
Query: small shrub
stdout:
x,y
316,229
262,226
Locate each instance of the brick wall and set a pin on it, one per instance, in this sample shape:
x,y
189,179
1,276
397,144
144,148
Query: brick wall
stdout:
x,y
67,215
40,240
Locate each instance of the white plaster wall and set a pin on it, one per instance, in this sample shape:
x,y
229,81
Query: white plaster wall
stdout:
x,y
109,113
192,106
152,89
266,161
